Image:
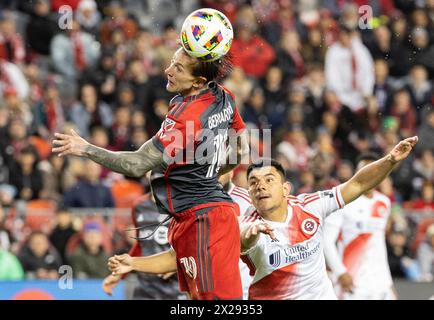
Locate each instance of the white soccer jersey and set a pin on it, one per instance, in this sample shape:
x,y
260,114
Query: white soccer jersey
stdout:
x,y
362,253
293,266
242,198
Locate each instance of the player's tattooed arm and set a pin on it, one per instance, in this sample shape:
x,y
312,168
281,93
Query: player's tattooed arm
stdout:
x,y
134,164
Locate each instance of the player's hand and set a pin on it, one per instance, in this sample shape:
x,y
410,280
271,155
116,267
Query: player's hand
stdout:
x,y
261,227
71,144
403,149
109,283
346,282
121,264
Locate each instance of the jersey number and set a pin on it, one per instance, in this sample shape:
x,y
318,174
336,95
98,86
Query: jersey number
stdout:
x,y
219,143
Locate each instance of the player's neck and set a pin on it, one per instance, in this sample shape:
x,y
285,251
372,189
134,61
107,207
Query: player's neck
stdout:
x,y
194,91
278,214
369,193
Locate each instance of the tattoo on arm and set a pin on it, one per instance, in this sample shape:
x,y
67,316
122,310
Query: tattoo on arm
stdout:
x,y
134,164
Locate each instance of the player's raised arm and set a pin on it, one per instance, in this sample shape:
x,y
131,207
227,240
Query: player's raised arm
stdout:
x,y
135,163
371,175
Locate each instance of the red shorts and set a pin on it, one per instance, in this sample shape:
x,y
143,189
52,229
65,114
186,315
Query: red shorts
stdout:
x,y
207,245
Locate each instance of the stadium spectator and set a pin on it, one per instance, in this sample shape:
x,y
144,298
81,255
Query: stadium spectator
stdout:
x,y
420,89
289,57
345,171
89,111
89,192
383,85
240,85
89,259
62,232
420,51
39,259
426,199
58,175
424,165
116,18
10,266
398,252
27,177
402,109
41,29
104,76
138,80
425,256
426,132
349,69
254,112
120,130
88,16
12,46
249,50
72,51
314,49
12,78
315,85
6,238
49,114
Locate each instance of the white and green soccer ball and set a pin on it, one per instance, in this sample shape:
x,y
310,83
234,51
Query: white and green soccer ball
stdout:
x,y
207,34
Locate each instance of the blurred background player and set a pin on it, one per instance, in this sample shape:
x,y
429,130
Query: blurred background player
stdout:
x,y
361,267
150,240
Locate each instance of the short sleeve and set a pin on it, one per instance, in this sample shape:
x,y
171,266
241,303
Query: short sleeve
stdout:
x,y
323,203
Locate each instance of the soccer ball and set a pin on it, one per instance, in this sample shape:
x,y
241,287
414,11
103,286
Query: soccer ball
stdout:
x,y
207,34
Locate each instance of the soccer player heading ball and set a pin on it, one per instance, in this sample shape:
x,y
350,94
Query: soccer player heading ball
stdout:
x,y
185,157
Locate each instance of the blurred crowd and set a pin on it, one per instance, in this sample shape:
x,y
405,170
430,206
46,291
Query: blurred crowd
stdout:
x,y
329,80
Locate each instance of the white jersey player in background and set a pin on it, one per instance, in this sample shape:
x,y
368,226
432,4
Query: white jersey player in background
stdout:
x,y
289,263
360,267
242,198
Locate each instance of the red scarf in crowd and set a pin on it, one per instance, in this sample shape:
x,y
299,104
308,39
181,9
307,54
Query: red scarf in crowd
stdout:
x,y
79,54
16,53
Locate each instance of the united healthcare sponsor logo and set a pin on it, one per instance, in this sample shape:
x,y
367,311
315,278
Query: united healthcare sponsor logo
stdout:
x,y
274,259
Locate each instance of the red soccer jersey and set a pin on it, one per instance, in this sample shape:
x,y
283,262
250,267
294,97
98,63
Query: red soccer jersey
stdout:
x,y
193,140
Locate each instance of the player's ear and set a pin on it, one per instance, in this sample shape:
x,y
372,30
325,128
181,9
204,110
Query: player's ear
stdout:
x,y
199,82
286,188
